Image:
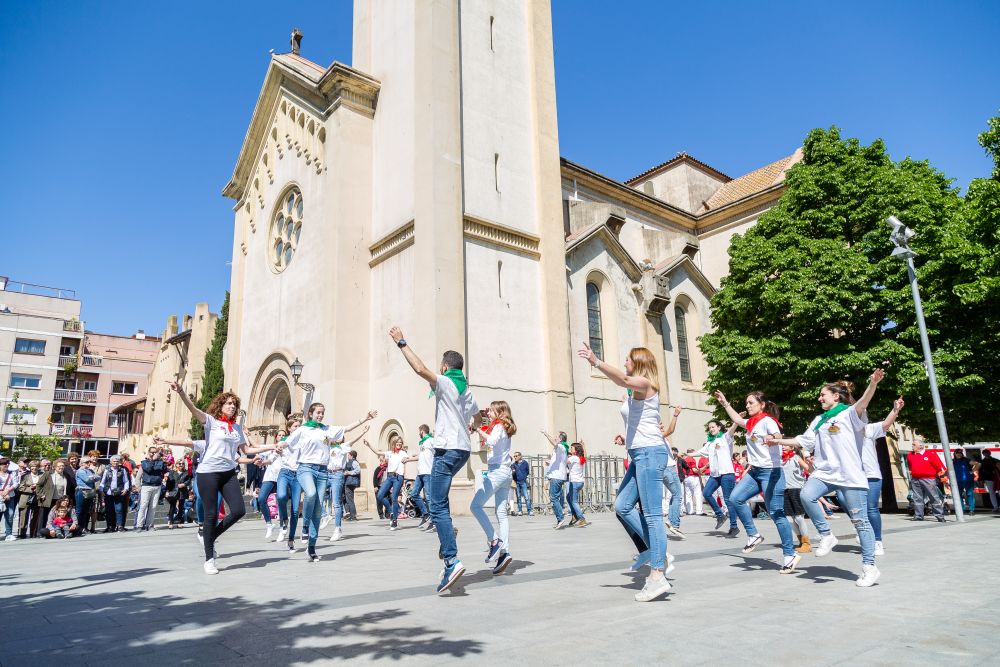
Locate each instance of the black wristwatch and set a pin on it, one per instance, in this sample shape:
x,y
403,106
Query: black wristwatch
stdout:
x,y
401,344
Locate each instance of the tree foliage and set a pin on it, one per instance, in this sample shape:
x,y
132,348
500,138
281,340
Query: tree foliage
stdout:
x,y
213,379
26,445
813,295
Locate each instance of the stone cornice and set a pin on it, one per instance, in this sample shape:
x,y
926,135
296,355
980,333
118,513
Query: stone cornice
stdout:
x,y
500,235
696,275
350,88
392,243
615,248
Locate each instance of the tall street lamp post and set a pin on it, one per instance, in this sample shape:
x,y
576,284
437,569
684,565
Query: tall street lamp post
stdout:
x,y
900,237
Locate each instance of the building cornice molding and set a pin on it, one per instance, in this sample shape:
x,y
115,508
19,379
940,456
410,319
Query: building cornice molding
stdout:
x,y
392,243
739,210
505,237
696,275
603,233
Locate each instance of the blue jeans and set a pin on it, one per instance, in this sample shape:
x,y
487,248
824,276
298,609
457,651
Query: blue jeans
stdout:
x,y
447,464
643,483
266,489
575,493
967,492
556,496
336,481
726,483
288,489
523,492
388,494
771,483
312,479
83,510
10,512
673,483
852,501
874,517
419,484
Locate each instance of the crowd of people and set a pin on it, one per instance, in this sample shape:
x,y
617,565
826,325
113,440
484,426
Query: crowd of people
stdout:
x,y
312,471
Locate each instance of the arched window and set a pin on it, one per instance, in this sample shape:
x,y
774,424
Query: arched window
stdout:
x,y
594,319
682,344
286,228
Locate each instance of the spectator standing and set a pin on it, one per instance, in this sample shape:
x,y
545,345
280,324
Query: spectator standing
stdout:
x,y
377,477
86,492
9,479
966,481
60,482
115,486
178,484
693,488
989,475
925,471
35,489
352,480
153,472
521,471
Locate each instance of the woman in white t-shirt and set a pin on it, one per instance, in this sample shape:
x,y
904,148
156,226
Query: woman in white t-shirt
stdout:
x,y
764,474
311,445
395,474
796,468
336,470
869,459
557,473
272,468
575,470
425,462
718,449
287,491
496,483
835,439
224,440
643,482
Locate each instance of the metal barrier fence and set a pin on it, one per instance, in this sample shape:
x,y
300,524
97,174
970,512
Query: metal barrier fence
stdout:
x,y
603,474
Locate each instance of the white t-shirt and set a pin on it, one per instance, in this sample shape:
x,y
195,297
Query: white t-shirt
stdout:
x,y
720,455
642,422
218,452
759,453
425,459
795,476
288,460
338,458
394,461
575,469
836,448
498,444
273,468
557,464
311,444
452,413
869,459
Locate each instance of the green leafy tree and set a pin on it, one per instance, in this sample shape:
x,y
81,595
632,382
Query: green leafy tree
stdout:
x,y
212,380
813,295
26,445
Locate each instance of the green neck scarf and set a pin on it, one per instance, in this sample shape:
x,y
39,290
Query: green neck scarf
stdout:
x,y
831,413
313,424
423,439
712,438
458,377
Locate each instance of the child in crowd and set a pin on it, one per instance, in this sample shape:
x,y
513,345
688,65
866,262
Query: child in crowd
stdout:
x,y
62,524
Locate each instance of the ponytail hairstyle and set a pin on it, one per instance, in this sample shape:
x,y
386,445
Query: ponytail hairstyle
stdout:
x,y
770,407
843,389
504,416
644,365
309,412
578,448
717,422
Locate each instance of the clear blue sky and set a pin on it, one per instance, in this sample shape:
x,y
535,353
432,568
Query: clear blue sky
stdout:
x,y
122,120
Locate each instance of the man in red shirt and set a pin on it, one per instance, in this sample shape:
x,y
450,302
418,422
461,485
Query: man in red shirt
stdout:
x,y
925,470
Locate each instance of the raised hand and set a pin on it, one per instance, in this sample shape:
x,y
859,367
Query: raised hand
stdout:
x,y
174,385
677,411
898,404
372,414
877,376
396,334
586,353
720,397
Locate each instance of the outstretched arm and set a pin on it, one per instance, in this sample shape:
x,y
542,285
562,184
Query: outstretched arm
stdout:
x,y
636,383
370,448
350,445
730,410
862,403
890,419
180,442
372,414
669,429
412,359
186,400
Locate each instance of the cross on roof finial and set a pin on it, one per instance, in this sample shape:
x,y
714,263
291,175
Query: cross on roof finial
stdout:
x,y
296,41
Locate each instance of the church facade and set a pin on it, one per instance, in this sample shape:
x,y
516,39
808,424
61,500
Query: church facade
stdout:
x,y
422,186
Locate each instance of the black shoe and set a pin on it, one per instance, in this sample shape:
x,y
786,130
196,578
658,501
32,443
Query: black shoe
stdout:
x,y
941,519
502,562
720,521
733,532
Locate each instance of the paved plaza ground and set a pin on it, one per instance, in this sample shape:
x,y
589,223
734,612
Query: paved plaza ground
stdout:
x,y
142,600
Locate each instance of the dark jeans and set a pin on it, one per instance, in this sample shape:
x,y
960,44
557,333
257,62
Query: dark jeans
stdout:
x,y
726,482
523,492
83,509
210,484
352,510
390,485
176,512
447,464
114,511
420,484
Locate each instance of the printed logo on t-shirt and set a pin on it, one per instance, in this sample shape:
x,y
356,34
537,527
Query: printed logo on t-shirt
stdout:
x,y
834,428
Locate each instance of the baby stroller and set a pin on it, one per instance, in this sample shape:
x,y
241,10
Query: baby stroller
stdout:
x,y
409,507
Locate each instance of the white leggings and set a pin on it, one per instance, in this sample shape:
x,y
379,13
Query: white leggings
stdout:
x,y
496,484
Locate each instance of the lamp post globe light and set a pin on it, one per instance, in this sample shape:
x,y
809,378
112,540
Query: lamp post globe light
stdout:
x,y
900,237
296,368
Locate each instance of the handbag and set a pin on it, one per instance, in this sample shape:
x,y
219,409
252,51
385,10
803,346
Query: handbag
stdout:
x,y
353,481
89,494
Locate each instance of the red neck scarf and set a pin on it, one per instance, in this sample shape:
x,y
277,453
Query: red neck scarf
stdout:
x,y
227,421
489,428
752,422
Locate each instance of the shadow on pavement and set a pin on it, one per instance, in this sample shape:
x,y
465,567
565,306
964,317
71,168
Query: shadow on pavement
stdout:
x,y
824,574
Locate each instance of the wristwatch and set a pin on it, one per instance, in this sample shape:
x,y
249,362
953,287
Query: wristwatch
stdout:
x,y
402,343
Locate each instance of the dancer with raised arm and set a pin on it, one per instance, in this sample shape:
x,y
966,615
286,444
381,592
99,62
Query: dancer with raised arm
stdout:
x,y
869,459
718,449
835,438
764,474
575,465
557,473
425,461
454,409
336,471
288,492
643,482
311,445
224,440
496,483
396,460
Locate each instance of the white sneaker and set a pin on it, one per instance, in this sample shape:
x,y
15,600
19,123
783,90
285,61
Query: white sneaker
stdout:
x,y
879,549
652,590
269,532
281,534
869,575
10,538
826,545
325,521
337,534
564,522
210,567
670,564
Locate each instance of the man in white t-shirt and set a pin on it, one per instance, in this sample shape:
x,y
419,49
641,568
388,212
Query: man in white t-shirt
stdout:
x,y
454,409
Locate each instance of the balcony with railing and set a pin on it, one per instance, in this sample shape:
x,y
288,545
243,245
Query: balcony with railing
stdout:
x,y
73,325
68,360
72,430
92,360
75,396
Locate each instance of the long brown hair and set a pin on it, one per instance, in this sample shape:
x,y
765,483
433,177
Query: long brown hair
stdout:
x,y
644,365
214,408
770,407
843,390
505,417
